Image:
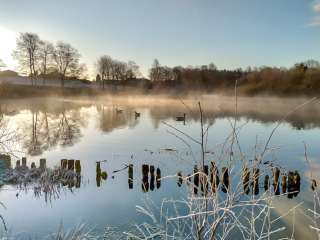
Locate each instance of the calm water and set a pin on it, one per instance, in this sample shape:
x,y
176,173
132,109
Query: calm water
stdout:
x,y
90,130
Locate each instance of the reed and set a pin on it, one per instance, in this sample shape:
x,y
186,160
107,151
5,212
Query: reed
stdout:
x,y
217,214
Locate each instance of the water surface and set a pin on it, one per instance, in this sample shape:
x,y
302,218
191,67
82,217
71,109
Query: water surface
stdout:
x,y
90,130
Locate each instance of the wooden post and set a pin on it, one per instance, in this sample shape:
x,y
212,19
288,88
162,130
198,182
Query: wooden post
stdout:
x,y
33,165
204,180
296,178
297,182
98,174
78,166
64,163
24,161
158,178
290,185
152,178
225,179
214,175
290,179
18,164
255,181
266,182
276,176
130,176
43,162
71,164
188,179
246,180
180,179
284,183
145,178
6,159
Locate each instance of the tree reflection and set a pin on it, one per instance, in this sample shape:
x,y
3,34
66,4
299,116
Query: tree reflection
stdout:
x,y
44,131
109,119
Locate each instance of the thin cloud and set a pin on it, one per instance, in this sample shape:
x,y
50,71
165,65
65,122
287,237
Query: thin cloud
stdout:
x,y
316,14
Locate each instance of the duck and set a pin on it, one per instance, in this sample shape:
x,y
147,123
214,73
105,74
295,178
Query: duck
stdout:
x,y
136,114
181,118
118,110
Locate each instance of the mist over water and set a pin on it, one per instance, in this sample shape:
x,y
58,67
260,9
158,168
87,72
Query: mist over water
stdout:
x,y
91,130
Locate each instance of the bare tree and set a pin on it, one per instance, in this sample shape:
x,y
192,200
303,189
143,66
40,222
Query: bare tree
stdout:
x,y
103,66
27,54
155,71
80,71
45,55
66,58
132,70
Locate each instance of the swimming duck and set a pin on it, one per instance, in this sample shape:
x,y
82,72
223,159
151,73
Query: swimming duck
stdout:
x,y
181,118
118,110
136,114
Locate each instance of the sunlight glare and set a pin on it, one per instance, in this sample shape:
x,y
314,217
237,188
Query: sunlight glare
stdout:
x,y
7,45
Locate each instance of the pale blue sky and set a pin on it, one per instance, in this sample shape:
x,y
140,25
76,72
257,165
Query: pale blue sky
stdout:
x,y
229,33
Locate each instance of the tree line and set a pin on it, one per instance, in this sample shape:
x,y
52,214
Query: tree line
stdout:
x,y
303,76
112,69
40,58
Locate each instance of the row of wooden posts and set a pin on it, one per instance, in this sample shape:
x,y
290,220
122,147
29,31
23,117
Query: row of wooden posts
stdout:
x,y
145,177
65,164
290,181
43,163
71,164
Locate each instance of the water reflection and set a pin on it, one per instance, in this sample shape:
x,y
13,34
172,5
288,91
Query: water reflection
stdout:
x,y
109,119
42,181
100,175
46,124
145,178
130,176
41,130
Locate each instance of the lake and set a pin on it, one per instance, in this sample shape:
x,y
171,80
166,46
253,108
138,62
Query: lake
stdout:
x,y
91,130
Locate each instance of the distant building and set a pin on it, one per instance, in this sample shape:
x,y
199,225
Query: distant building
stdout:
x,y
51,75
9,73
138,82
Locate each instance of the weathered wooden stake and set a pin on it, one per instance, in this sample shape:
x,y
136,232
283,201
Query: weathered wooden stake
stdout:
x,y
98,174
145,178
152,178
188,179
225,179
64,163
296,178
266,182
71,164
158,178
24,161
276,176
290,179
195,179
43,162
284,181
246,180
179,178
214,175
18,163
78,166
33,165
